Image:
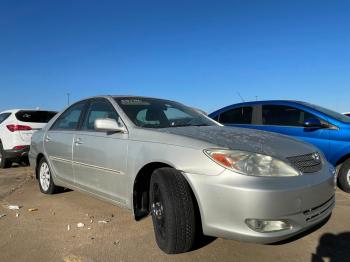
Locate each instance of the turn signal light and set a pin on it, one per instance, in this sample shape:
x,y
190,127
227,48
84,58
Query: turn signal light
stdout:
x,y
222,159
14,128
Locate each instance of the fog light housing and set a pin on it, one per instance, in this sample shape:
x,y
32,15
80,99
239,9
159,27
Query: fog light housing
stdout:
x,y
266,226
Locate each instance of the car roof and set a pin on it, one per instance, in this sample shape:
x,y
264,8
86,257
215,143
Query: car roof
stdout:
x,y
126,96
24,109
269,102
263,102
122,96
140,97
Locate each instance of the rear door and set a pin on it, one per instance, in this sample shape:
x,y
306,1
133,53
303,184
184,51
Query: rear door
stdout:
x,y
34,120
58,141
99,158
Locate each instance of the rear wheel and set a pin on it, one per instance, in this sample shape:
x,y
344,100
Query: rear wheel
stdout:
x,y
172,211
344,176
46,184
25,161
4,163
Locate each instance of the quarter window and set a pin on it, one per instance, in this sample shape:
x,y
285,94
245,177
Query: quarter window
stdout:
x,y
4,116
240,115
279,115
69,120
97,110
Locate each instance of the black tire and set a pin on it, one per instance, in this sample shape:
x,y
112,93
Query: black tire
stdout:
x,y
172,210
344,176
25,161
4,163
50,187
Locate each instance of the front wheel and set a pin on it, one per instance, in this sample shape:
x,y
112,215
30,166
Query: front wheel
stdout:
x,y
172,211
344,176
46,184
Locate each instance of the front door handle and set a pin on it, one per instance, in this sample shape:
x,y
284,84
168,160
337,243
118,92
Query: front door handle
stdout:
x,y
78,141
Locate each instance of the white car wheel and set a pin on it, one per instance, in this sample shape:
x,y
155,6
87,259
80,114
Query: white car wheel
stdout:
x,y
45,176
344,176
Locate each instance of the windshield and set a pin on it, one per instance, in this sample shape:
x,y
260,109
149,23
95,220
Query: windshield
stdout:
x,y
331,113
158,113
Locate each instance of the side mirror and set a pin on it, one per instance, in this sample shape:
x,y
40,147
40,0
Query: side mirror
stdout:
x,y
313,123
108,125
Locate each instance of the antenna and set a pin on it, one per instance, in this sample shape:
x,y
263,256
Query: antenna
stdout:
x,y
68,94
238,93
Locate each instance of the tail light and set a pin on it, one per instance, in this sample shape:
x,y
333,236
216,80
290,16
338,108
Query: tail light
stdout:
x,y
14,128
19,147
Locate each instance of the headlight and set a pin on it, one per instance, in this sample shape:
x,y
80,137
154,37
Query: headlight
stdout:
x,y
251,164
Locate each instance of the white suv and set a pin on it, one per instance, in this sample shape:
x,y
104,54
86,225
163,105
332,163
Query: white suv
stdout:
x,y
16,129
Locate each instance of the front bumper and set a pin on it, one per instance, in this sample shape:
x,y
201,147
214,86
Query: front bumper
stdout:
x,y
16,154
227,200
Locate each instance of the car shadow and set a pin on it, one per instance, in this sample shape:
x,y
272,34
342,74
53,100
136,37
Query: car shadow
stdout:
x,y
63,190
19,164
333,248
202,241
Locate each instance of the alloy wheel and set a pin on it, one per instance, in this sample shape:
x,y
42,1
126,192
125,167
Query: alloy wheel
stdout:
x,y
45,176
157,210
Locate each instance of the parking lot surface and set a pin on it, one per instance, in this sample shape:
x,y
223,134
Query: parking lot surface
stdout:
x,y
45,229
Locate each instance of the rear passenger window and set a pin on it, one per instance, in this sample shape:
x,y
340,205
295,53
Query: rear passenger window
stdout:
x,y
240,115
69,120
35,116
279,115
4,116
97,110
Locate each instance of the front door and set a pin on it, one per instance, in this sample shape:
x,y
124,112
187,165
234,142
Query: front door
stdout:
x,y
289,121
100,158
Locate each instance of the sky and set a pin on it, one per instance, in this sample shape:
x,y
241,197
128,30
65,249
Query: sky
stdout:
x,y
202,53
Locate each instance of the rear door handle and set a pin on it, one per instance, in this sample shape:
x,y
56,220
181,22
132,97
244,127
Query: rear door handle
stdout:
x,y
48,138
78,141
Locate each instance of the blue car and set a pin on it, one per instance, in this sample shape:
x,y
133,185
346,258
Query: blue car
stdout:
x,y
326,129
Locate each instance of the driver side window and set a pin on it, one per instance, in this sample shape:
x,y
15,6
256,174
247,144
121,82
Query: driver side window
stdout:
x,y
280,115
97,110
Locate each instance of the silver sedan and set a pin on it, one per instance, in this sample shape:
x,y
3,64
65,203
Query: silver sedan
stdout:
x,y
191,174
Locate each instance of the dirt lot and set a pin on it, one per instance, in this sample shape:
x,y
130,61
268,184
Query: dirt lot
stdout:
x,y
43,235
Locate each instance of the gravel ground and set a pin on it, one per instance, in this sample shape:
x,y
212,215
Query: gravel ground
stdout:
x,y
43,235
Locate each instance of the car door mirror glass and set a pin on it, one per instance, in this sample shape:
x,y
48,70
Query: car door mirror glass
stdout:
x,y
108,125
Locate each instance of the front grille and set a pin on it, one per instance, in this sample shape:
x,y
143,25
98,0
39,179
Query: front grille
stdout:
x,y
313,213
309,163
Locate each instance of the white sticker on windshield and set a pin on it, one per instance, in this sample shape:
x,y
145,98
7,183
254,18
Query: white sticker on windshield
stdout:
x,y
134,102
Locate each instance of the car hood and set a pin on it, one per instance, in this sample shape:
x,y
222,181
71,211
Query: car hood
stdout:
x,y
250,140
